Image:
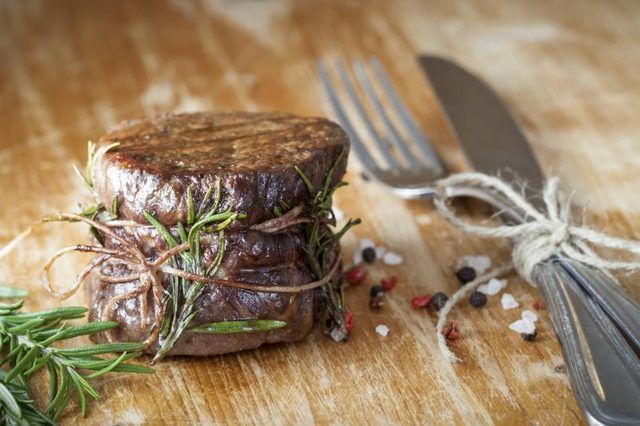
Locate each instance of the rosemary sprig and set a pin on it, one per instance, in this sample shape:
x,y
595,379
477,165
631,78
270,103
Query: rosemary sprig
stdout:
x,y
181,299
321,242
26,344
239,326
93,155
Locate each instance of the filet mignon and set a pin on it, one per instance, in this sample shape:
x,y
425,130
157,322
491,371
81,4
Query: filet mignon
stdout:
x,y
253,156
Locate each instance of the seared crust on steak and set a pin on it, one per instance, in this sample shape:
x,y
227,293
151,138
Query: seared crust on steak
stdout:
x,y
253,155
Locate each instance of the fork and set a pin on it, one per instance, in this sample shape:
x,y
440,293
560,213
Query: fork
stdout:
x,y
409,170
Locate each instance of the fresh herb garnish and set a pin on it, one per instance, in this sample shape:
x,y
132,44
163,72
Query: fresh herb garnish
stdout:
x,y
179,305
27,342
93,155
239,326
321,242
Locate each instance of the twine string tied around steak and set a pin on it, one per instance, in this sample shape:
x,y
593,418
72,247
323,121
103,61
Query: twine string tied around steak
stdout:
x,y
542,235
145,271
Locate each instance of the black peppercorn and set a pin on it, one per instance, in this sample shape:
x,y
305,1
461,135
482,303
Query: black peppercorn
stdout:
x,y
376,302
466,274
529,337
478,299
375,290
439,300
369,254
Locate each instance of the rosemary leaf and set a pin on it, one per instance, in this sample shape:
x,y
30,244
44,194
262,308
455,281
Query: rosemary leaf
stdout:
x,y
305,179
9,402
191,216
240,326
103,348
82,177
114,206
61,313
53,335
164,232
81,396
109,367
6,292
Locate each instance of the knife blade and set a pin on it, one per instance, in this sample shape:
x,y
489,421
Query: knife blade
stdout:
x,y
604,370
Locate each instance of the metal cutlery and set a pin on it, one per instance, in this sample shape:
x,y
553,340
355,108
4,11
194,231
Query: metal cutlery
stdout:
x,y
594,319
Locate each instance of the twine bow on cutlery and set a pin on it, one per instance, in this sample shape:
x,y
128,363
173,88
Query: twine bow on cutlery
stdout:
x,y
542,235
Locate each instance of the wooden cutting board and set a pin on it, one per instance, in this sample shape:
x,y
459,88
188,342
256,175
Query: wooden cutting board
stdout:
x,y
70,70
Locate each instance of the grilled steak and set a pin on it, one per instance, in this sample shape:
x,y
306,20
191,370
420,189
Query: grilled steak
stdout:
x,y
250,256
160,163
253,155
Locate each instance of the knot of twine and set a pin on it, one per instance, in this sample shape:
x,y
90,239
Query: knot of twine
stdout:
x,y
541,235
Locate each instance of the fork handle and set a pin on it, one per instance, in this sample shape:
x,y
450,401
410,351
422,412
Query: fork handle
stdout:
x,y
603,369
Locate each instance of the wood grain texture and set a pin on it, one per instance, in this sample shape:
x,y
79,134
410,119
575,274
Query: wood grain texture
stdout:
x,y
70,70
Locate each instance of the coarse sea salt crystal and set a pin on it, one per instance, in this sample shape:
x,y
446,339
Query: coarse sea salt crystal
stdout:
x,y
529,315
494,286
480,263
366,242
337,335
339,214
508,301
382,330
391,258
523,326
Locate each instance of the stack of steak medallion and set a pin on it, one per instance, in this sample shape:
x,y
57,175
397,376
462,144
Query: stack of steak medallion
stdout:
x,y
249,168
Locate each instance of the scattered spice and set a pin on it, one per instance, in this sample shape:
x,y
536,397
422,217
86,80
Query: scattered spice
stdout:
x,y
356,275
494,286
530,337
523,326
477,299
349,321
439,300
421,301
508,301
451,331
480,263
375,290
377,301
382,330
369,254
466,274
391,258
389,282
529,315
538,305
338,335
367,243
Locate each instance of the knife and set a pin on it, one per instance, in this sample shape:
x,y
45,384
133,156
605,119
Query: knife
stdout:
x,y
596,324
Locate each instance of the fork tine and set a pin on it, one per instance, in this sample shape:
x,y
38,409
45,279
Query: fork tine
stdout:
x,y
406,117
361,150
365,83
353,96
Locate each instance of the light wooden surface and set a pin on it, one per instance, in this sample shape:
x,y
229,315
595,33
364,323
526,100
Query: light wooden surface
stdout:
x,y
71,70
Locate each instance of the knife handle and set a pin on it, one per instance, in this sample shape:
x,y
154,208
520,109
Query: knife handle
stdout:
x,y
607,292
603,369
